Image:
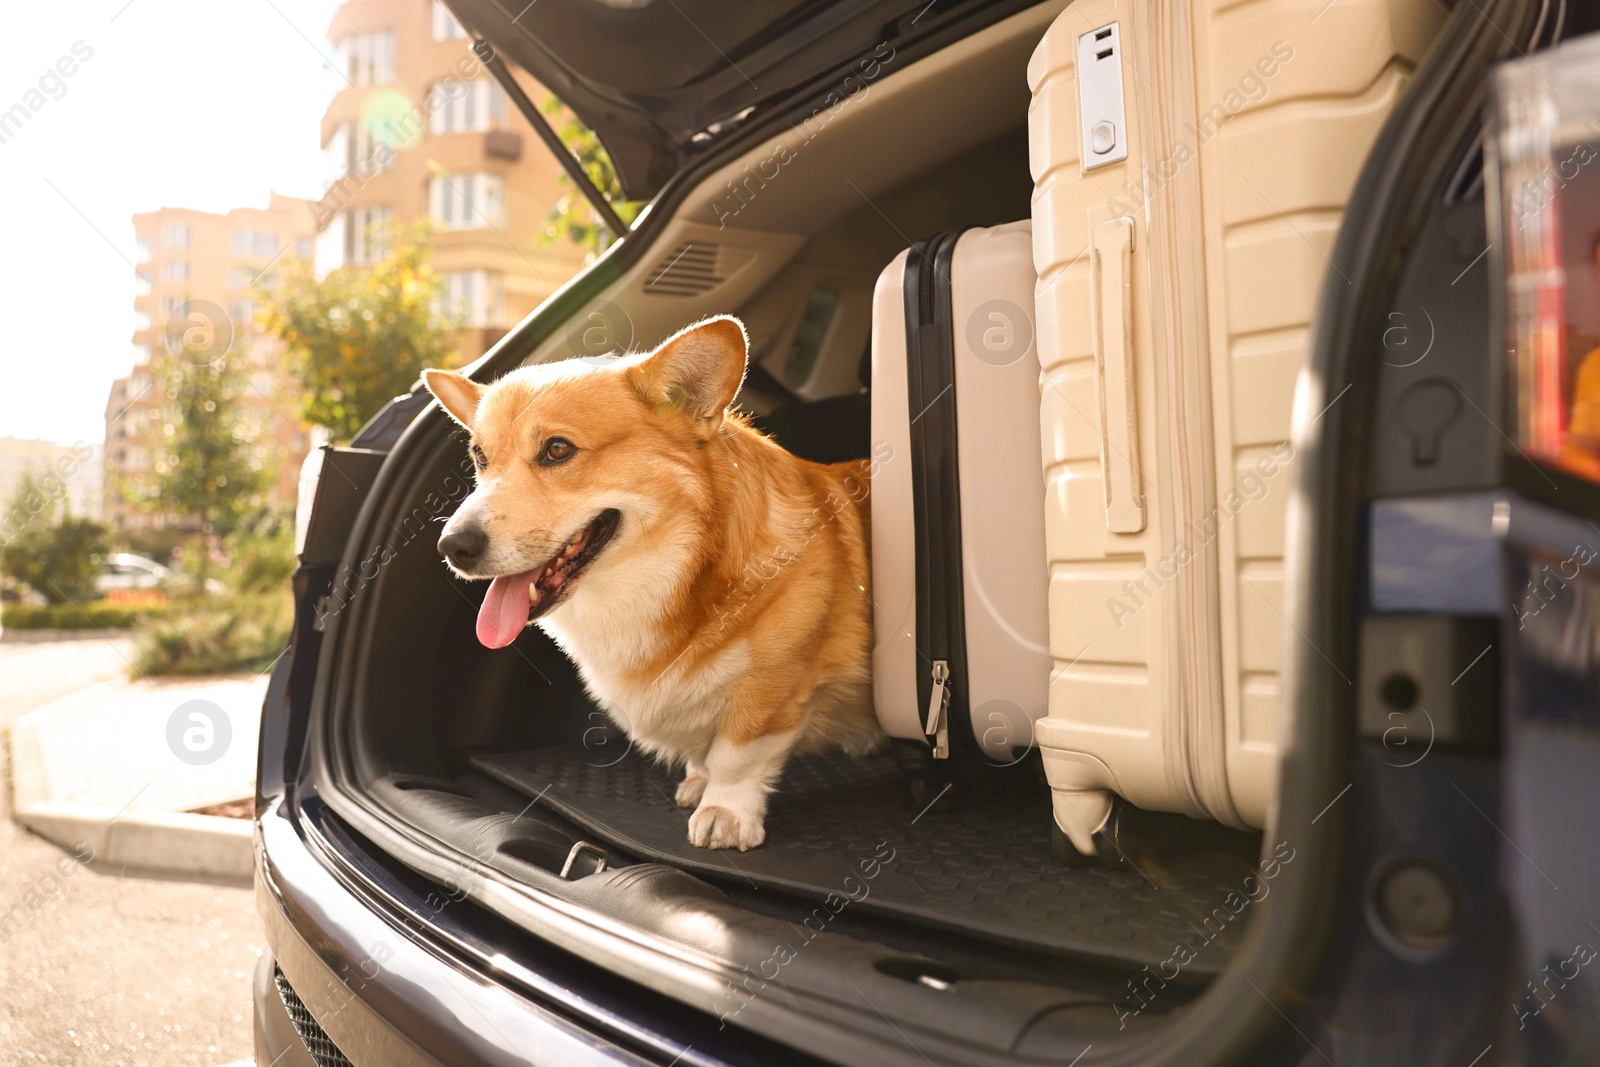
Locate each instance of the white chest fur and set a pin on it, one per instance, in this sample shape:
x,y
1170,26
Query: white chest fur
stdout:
x,y
674,714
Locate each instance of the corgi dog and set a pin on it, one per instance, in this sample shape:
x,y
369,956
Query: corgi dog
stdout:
x,y
712,589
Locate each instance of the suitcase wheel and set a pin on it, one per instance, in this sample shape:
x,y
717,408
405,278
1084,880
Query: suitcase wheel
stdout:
x,y
1110,842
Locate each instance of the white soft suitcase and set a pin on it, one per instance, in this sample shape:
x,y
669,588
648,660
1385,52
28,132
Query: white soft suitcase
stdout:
x,y
961,662
1191,160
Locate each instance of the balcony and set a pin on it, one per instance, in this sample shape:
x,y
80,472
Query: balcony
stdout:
x,y
502,144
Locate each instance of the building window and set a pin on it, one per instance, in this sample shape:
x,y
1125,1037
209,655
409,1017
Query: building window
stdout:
x,y
354,237
141,354
368,58
363,155
242,313
175,270
466,107
169,305
445,26
254,243
147,246
304,247
175,236
472,298
365,234
142,280
241,277
467,201
141,320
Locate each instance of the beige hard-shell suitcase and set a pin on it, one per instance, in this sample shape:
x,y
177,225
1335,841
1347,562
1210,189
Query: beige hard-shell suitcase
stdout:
x,y
1191,161
961,663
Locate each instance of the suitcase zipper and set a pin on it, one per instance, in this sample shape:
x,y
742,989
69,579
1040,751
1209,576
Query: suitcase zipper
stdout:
x,y
1183,495
930,351
938,723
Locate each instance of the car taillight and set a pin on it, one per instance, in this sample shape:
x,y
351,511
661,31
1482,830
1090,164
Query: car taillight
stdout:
x,y
306,497
1543,170
334,482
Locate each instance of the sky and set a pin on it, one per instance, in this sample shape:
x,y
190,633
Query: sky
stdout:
x,y
208,104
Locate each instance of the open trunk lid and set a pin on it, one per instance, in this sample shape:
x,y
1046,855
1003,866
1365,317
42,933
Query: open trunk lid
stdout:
x,y
661,80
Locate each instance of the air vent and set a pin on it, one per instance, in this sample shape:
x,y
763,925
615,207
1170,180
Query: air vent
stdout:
x,y
695,268
324,1053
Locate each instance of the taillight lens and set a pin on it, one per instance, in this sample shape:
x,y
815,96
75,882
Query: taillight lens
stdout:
x,y
1544,170
306,497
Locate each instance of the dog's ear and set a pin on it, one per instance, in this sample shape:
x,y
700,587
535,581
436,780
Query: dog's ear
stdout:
x,y
697,371
458,394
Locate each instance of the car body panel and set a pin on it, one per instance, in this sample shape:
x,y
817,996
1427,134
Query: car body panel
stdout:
x,y
382,995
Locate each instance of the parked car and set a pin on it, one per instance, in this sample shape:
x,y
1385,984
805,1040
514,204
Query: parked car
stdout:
x,y
125,570
428,874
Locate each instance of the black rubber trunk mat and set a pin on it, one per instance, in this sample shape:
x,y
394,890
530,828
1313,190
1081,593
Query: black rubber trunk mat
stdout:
x,y
983,868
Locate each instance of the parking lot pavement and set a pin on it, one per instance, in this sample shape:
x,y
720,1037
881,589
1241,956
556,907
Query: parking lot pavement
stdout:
x,y
33,672
101,968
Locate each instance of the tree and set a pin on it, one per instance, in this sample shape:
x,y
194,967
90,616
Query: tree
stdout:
x,y
361,335
573,218
57,560
207,464
36,500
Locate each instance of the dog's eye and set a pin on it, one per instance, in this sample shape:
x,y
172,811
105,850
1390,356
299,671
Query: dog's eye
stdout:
x,y
557,450
479,460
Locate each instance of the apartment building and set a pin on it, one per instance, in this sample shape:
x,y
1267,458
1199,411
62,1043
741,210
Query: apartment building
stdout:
x,y
196,276
417,128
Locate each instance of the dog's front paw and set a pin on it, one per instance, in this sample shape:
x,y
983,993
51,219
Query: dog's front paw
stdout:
x,y
714,827
690,790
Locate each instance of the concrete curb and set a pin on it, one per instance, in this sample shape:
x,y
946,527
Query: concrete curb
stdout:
x,y
149,839
172,842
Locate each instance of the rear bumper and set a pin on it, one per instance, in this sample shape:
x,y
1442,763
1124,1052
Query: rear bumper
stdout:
x,y
277,1042
380,995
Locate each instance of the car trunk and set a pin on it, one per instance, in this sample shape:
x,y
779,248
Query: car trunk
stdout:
x,y
866,913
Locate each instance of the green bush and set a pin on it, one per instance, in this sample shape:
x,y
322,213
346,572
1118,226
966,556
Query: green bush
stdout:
x,y
240,634
94,615
261,554
153,542
58,561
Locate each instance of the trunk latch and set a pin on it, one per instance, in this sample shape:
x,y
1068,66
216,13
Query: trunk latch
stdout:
x,y
580,849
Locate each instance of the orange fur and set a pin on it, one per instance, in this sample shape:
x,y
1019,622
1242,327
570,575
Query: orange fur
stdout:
x,y
727,622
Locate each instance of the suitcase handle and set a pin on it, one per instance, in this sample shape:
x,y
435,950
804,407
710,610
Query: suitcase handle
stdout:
x,y
1113,337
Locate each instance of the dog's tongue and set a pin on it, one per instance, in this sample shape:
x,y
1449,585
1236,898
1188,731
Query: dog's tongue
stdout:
x,y
505,609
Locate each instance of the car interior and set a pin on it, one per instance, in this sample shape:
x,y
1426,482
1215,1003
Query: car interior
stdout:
x,y
494,773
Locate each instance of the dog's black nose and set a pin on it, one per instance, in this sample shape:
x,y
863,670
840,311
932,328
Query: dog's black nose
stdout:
x,y
464,547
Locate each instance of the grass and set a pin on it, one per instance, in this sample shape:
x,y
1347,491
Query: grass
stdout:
x,y
239,634
193,634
